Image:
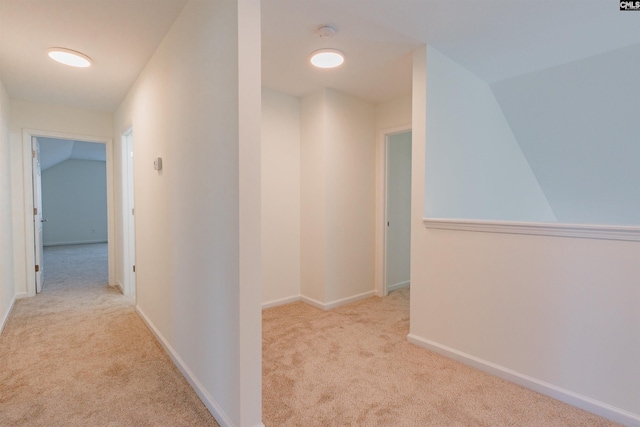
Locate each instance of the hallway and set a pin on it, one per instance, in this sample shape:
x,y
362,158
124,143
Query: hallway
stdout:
x,y
78,355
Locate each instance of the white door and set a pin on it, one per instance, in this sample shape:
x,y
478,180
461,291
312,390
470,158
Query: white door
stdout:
x,y
398,211
37,214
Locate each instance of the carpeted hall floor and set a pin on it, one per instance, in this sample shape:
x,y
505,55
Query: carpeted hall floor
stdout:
x,y
78,355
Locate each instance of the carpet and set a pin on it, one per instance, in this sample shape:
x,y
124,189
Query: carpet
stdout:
x,y
78,354
353,366
69,266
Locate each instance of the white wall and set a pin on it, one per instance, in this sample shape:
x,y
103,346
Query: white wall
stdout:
x,y
7,286
198,276
280,197
51,118
313,196
350,177
398,209
394,113
338,197
557,314
74,202
576,126
475,167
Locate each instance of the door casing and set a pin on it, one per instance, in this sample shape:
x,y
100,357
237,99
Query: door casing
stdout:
x,y
128,215
27,135
381,205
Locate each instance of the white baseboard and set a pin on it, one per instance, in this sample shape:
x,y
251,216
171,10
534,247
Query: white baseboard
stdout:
x,y
281,301
397,286
120,286
312,302
7,314
336,303
583,402
206,398
83,242
21,295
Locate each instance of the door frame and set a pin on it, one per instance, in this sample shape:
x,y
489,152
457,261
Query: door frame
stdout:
x,y
36,173
128,246
381,206
27,134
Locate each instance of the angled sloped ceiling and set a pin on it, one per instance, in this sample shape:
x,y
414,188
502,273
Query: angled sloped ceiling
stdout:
x,y
54,151
474,166
578,126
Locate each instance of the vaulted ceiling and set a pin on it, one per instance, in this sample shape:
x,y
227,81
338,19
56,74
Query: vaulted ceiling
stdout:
x,y
54,151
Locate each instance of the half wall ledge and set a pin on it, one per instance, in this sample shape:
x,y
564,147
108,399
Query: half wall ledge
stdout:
x,y
584,231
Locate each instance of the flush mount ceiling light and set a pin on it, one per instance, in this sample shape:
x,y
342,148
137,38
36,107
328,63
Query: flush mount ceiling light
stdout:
x,y
69,57
327,58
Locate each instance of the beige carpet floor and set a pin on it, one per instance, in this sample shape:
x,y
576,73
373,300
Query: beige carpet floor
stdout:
x,y
79,355
70,266
353,366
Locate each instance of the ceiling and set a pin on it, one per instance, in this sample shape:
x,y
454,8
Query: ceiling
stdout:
x,y
54,151
120,36
495,39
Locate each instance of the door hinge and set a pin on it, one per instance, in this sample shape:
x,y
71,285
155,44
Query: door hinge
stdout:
x,y
134,268
37,268
33,153
132,211
35,211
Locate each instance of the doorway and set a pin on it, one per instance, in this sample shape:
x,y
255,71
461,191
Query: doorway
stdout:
x,y
397,242
33,213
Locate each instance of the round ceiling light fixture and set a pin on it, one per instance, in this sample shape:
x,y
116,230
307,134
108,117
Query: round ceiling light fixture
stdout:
x,y
327,58
69,57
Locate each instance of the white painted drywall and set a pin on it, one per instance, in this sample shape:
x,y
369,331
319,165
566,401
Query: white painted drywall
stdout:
x,y
394,113
577,126
313,129
474,166
280,196
398,242
350,203
7,286
198,240
74,202
559,310
52,118
338,196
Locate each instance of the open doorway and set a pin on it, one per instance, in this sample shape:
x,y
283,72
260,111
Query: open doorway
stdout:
x,y
70,228
397,207
58,200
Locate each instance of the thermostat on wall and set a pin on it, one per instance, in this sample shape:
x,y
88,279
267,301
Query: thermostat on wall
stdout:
x,y
157,164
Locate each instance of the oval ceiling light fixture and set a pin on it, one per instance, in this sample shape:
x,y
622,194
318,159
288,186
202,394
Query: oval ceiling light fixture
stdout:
x,y
69,57
327,58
